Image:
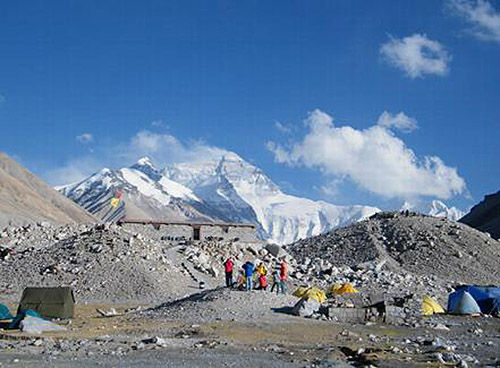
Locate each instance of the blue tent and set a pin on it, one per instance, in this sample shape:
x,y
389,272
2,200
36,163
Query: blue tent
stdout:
x,y
464,304
487,298
4,312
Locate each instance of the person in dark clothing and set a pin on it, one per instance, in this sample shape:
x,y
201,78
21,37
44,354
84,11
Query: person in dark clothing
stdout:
x,y
228,265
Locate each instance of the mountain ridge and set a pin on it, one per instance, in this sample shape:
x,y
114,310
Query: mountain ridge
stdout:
x,y
226,188
24,198
485,215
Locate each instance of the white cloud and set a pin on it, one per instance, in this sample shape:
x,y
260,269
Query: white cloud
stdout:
x,y
481,15
416,55
399,121
157,123
280,154
162,148
374,158
73,171
166,148
282,127
85,138
2,99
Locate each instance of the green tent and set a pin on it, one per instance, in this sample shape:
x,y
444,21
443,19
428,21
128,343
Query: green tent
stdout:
x,y
50,302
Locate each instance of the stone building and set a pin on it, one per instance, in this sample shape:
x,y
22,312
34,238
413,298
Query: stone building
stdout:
x,y
194,231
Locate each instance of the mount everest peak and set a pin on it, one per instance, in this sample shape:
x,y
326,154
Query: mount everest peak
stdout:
x,y
224,188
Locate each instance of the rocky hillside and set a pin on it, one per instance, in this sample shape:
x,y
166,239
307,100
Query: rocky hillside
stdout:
x,y
110,263
418,248
24,198
485,216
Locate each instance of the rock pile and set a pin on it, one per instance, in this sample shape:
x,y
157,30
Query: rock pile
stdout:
x,y
208,255
224,304
102,263
111,263
38,235
400,253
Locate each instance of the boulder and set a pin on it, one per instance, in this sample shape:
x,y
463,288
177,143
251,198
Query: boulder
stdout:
x,y
306,307
213,271
275,250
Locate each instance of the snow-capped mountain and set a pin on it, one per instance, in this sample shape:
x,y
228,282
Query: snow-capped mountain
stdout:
x,y
226,188
435,208
250,195
439,209
147,194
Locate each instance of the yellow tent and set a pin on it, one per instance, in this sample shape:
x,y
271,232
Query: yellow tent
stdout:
x,y
310,293
340,289
299,292
430,306
114,202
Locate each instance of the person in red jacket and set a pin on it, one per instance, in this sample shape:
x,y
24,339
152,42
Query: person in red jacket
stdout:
x,y
229,271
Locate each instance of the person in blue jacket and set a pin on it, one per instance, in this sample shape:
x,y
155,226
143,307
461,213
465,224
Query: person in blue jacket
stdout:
x,y
249,269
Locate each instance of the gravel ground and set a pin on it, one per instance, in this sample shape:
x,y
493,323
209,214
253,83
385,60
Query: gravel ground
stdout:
x,y
225,304
175,358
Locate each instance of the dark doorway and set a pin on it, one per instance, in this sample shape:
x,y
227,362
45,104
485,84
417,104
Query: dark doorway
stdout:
x,y
196,233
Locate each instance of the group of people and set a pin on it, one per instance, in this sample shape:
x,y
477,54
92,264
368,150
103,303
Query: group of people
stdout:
x,y
251,277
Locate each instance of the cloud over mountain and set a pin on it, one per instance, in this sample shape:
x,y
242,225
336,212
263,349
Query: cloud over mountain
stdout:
x,y
374,158
163,148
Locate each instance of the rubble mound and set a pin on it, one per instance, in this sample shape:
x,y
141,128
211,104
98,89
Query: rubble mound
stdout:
x,y
101,263
405,249
224,304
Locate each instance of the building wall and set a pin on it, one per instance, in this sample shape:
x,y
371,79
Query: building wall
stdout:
x,y
245,234
176,231
212,231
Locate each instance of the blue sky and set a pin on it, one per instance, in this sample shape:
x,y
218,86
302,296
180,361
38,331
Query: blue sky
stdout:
x,y
224,73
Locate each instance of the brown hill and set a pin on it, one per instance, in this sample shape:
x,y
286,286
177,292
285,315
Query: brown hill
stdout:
x,y
24,198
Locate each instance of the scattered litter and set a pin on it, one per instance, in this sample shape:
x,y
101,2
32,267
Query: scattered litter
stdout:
x,y
111,312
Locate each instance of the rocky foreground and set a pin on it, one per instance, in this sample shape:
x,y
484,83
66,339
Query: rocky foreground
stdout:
x,y
172,310
401,254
